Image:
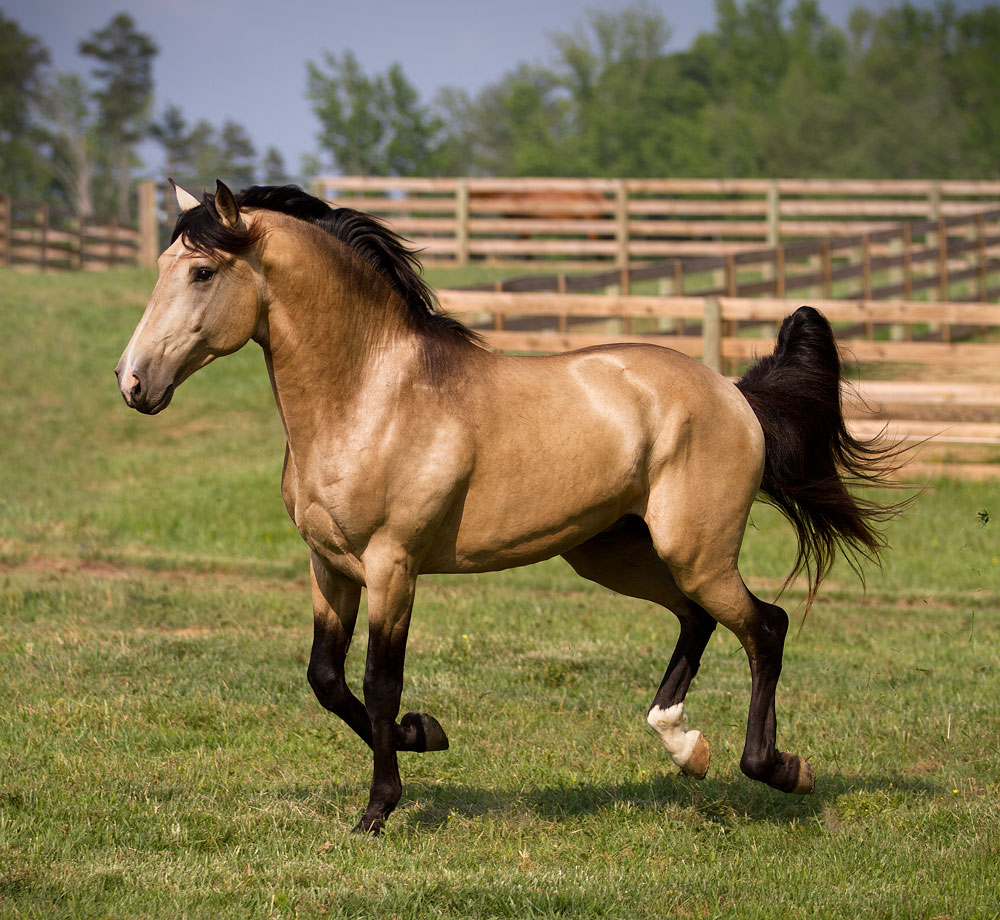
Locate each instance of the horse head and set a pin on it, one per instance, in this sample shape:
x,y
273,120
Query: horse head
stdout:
x,y
207,301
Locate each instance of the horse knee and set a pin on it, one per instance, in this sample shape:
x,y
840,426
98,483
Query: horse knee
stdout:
x,y
328,685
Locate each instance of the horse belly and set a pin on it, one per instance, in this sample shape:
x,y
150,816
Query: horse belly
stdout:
x,y
522,509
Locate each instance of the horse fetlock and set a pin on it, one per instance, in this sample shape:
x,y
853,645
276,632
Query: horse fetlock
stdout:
x,y
687,748
421,732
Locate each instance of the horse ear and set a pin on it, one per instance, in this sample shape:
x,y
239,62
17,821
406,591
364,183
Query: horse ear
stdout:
x,y
185,200
225,204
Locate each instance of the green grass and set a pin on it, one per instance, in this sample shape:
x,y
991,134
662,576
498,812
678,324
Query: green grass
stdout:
x,y
162,755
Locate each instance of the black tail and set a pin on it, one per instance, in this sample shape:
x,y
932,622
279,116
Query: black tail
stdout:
x,y
811,461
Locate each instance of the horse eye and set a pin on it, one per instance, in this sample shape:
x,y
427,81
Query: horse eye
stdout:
x,y
204,274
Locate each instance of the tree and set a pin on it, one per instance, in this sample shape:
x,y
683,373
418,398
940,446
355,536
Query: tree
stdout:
x,y
197,156
172,134
22,63
903,119
123,70
619,82
69,134
514,127
974,68
273,169
371,125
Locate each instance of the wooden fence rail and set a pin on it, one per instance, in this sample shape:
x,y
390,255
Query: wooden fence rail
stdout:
x,y
35,236
629,221
954,258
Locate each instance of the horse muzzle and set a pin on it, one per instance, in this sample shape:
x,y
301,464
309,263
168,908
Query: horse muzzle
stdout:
x,y
141,392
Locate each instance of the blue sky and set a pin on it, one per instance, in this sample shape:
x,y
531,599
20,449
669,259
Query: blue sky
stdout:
x,y
246,59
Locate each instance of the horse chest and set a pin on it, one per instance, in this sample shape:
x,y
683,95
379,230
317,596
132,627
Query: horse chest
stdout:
x,y
324,520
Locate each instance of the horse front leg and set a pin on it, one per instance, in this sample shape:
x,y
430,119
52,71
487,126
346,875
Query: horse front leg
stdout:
x,y
335,610
390,603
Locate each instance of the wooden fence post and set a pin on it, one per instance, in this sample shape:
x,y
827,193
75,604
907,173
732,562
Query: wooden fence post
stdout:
x,y
773,213
149,243
42,216
621,225
934,201
81,242
942,260
462,223
6,230
711,334
981,258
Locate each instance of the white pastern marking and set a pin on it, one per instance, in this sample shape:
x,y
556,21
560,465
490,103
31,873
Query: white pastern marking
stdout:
x,y
667,724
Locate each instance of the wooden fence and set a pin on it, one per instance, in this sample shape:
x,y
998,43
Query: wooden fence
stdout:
x,y
949,259
628,221
34,236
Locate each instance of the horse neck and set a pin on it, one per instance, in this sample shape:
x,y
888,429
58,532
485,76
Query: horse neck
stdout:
x,y
333,327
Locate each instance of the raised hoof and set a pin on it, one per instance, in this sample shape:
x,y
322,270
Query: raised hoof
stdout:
x,y
425,731
806,780
697,763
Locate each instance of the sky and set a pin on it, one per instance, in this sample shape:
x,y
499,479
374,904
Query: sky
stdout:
x,y
245,60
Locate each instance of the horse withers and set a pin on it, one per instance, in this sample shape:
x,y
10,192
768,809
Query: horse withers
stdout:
x,y
413,449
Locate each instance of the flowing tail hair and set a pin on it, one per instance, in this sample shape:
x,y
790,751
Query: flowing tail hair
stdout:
x,y
811,461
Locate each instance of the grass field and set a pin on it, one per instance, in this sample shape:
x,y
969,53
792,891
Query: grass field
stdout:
x,y
163,757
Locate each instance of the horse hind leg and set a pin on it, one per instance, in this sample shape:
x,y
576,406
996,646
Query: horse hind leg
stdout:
x,y
761,760
623,559
688,748
761,629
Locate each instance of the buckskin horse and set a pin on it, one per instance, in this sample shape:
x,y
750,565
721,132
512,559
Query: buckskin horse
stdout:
x,y
411,448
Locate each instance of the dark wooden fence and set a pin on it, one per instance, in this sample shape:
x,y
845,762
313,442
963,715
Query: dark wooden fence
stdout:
x,y
951,259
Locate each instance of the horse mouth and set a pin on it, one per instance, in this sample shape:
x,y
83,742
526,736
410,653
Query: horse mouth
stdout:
x,y
146,408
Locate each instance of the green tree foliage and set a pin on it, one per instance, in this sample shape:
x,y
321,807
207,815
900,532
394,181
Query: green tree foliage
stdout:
x,y
22,64
123,71
770,91
198,155
371,125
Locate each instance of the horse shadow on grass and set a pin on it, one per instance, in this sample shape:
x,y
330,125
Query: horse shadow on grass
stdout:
x,y
723,802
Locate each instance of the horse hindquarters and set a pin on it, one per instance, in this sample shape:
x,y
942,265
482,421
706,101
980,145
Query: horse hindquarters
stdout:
x,y
697,511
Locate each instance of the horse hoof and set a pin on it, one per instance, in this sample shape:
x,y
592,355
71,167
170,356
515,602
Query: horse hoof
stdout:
x,y
429,735
792,774
366,828
697,763
806,781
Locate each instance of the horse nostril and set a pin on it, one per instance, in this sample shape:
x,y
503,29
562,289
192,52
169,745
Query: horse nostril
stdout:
x,y
135,387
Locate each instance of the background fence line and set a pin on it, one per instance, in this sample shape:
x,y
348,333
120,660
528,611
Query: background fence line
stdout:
x,y
627,221
35,236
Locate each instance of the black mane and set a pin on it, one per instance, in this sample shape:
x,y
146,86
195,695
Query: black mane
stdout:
x,y
383,249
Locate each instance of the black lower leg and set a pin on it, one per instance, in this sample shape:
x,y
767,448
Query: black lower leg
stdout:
x,y
761,759
327,679
696,630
